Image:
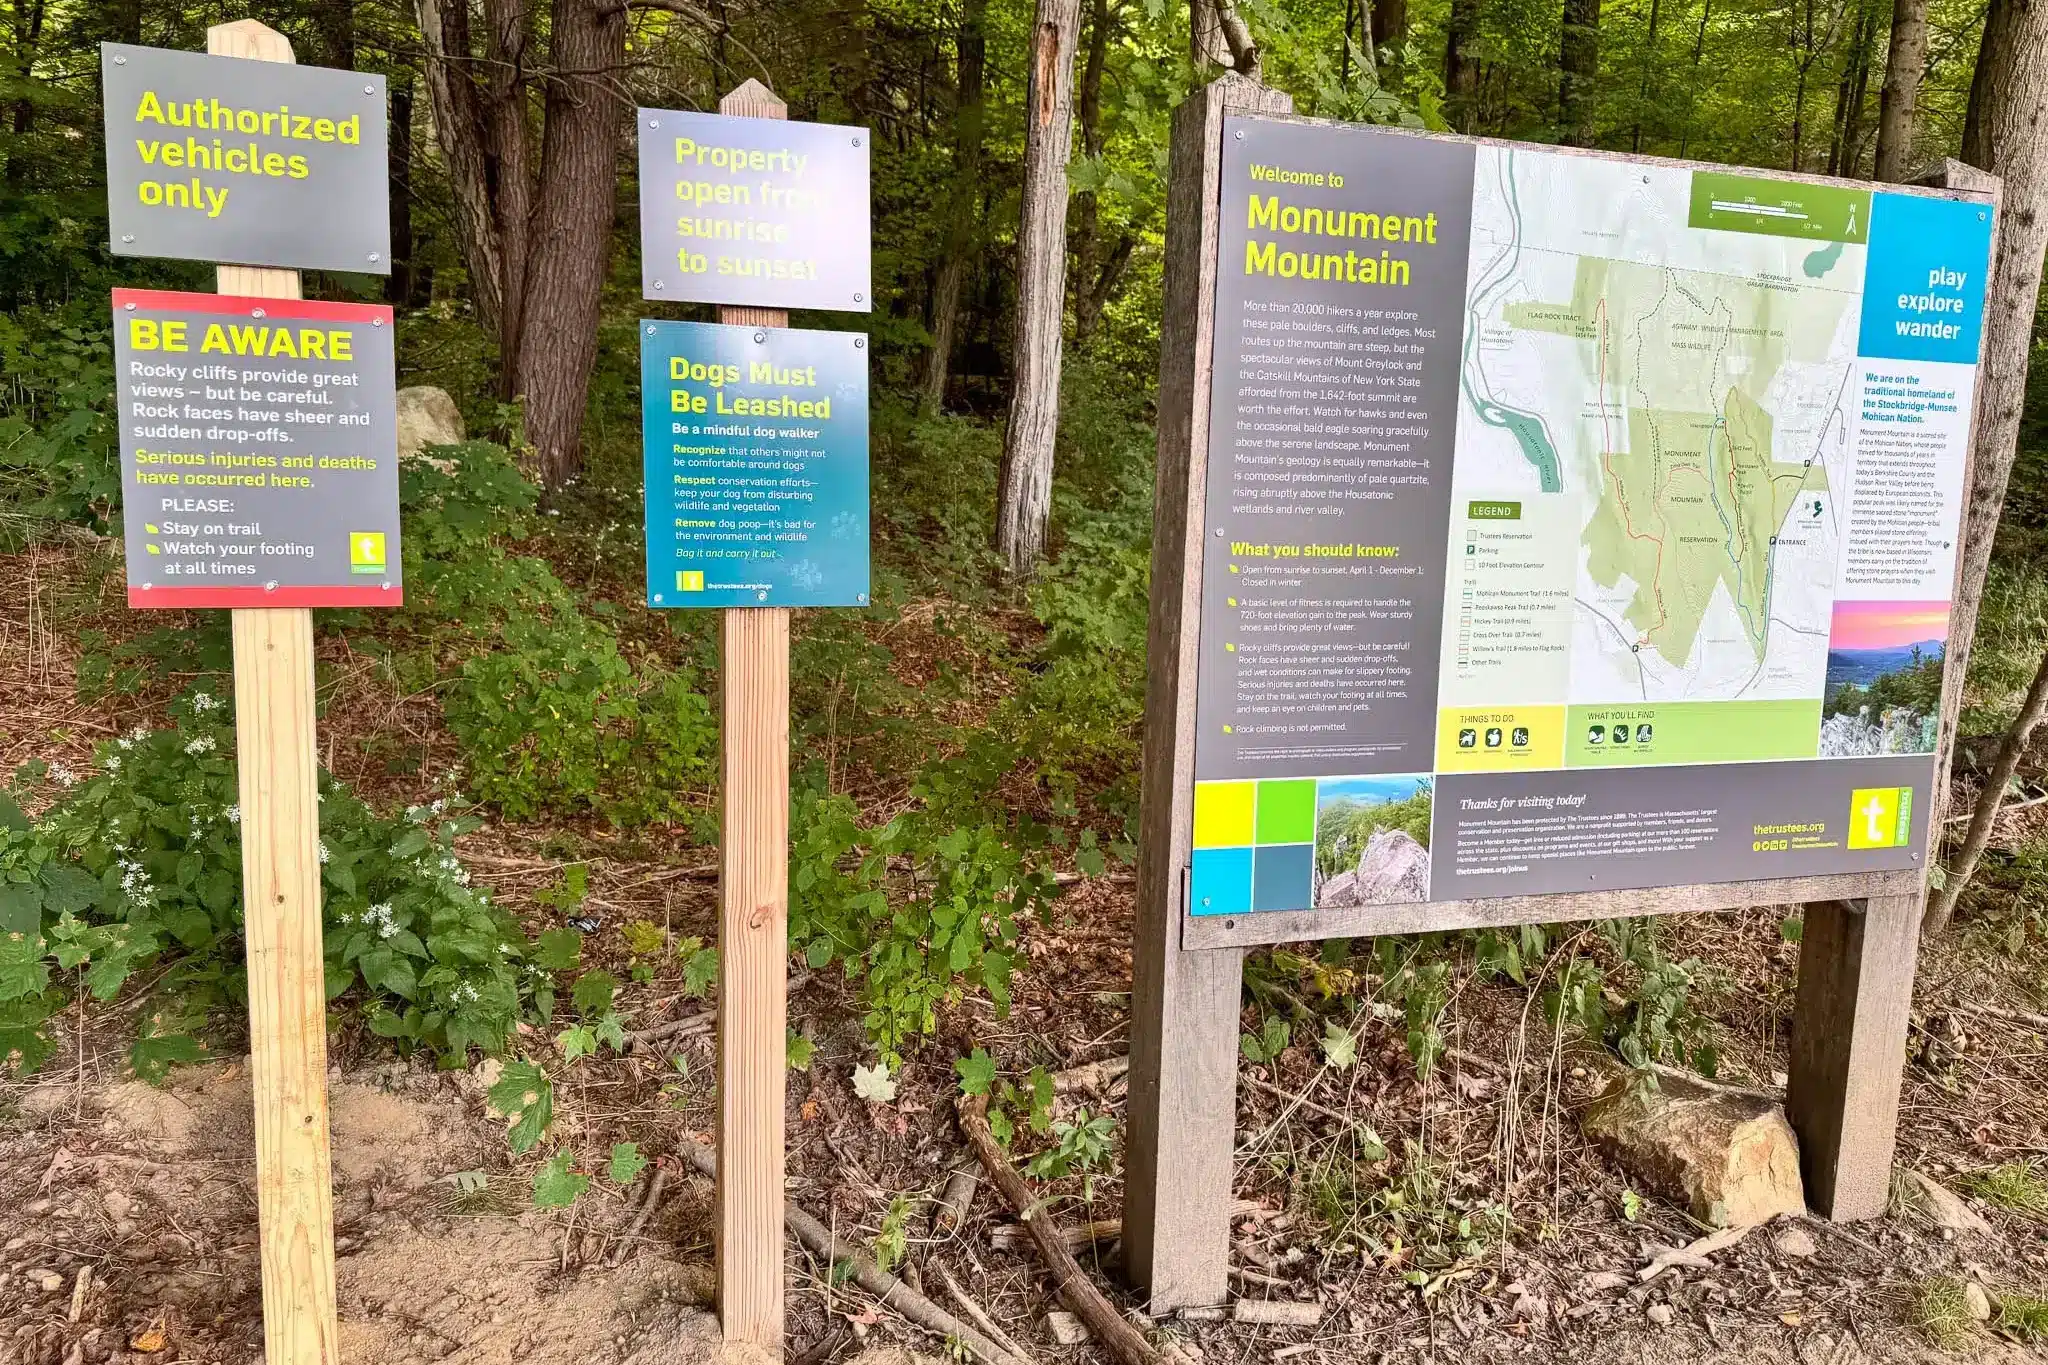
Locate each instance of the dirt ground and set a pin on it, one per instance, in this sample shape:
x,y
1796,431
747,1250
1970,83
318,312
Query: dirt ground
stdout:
x,y
127,1212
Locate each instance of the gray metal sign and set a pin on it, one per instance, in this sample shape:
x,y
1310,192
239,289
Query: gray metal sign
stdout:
x,y
259,451
750,211
244,162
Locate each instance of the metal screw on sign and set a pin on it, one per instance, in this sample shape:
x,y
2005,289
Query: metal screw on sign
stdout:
x,y
271,586
129,306
650,331
121,61
856,142
255,312
660,284
657,599
127,236
857,297
387,585
369,90
760,336
861,598
376,322
1240,135
374,256
858,342
654,123
1219,533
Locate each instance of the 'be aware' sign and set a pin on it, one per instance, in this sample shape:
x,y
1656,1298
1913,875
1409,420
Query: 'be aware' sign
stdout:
x,y
244,162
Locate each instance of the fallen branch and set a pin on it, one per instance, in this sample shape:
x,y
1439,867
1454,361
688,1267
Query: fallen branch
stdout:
x,y
656,1188
1094,1077
980,1315
869,1276
2024,1018
1695,1254
1124,1341
1013,1236
703,1021
949,1211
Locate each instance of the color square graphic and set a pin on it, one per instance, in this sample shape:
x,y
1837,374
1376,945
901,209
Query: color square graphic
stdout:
x,y
1880,817
1223,814
1287,812
1283,876
1220,882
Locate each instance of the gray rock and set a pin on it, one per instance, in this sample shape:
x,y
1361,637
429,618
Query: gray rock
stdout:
x,y
1729,1156
1937,1203
427,416
1066,1329
1795,1241
1978,1301
1659,1313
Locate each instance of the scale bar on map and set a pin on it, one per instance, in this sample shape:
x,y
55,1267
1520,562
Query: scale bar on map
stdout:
x,y
1767,210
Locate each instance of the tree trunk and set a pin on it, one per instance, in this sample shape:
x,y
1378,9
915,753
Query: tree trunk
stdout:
x,y
335,22
1942,904
404,279
1643,90
1850,91
1025,498
1461,66
962,211
1087,238
572,232
2009,119
1220,39
535,235
1692,90
1903,66
1578,60
1389,24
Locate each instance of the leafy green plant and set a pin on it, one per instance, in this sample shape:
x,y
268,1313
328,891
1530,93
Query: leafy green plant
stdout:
x,y
893,1238
559,722
137,866
1082,1144
1034,1097
915,910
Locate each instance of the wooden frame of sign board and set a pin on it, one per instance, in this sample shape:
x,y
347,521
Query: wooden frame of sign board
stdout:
x,y
1858,950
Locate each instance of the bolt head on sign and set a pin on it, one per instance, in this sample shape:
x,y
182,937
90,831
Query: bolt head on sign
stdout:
x,y
259,451
763,213
245,162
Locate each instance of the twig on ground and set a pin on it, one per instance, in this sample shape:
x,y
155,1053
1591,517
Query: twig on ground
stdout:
x,y
949,1211
1095,1077
980,1315
2025,1018
869,1276
1277,1312
644,1039
824,1348
656,1188
1013,1236
1302,1100
1696,1253
1124,1341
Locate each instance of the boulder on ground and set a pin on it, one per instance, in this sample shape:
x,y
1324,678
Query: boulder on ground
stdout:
x,y
427,416
1729,1156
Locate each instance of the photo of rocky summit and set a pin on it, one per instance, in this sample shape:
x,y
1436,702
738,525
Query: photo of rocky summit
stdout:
x,y
1372,840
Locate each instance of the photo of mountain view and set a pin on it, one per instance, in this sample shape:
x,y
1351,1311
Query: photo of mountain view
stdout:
x,y
1883,689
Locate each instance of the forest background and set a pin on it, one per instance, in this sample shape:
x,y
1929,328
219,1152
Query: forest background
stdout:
x,y
966,750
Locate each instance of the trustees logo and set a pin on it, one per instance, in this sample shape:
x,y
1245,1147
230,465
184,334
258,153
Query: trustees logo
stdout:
x,y
1880,817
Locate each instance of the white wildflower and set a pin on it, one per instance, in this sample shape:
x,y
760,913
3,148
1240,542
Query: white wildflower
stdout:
x,y
113,763
202,702
63,776
233,814
324,854
202,745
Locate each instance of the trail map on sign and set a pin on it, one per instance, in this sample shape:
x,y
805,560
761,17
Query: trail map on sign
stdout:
x,y
1573,522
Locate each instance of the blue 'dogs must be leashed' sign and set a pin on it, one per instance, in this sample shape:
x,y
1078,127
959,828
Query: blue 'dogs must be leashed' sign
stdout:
x,y
756,449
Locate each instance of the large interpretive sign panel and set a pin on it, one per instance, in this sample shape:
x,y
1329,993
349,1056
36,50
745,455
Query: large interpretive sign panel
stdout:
x,y
1572,522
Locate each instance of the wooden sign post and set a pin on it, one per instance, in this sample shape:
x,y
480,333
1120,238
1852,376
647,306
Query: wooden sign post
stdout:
x,y
756,448
1425,369
309,517
277,758
753,925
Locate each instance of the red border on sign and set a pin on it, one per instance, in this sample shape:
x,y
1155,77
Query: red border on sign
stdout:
x,y
315,310
336,596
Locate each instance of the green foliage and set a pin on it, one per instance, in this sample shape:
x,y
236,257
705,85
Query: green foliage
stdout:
x,y
555,1186
626,1163
1915,687
1081,1145
137,866
525,1097
893,1239
558,722
2016,1185
1942,1310
59,451
917,910
1271,1039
